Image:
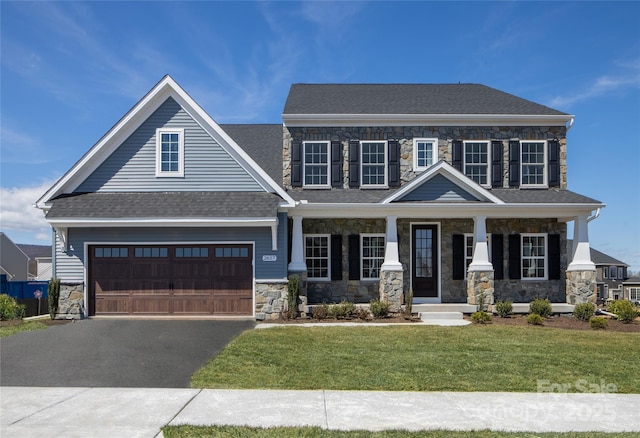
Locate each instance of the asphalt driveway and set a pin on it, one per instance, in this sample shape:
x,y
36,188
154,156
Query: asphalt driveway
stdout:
x,y
114,353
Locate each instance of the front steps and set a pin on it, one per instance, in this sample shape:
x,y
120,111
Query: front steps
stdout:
x,y
443,318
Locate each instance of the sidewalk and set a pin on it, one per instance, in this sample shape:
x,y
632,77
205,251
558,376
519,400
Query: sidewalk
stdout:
x,y
133,412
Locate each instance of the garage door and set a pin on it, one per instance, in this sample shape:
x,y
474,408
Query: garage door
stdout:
x,y
171,280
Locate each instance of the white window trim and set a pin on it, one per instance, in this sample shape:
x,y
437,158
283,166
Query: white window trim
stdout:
x,y
304,165
386,165
434,153
466,236
546,256
362,236
328,237
635,290
180,172
464,160
545,165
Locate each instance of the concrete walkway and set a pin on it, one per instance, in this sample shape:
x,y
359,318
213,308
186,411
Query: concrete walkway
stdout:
x,y
135,412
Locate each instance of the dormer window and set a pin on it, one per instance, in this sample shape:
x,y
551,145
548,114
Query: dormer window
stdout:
x,y
170,152
316,163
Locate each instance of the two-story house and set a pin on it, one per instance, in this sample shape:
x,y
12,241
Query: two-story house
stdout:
x,y
457,193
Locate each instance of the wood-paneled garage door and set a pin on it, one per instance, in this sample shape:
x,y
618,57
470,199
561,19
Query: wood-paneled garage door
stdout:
x,y
170,280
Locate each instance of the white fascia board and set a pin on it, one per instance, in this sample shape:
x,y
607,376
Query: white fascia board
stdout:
x,y
162,222
445,169
327,120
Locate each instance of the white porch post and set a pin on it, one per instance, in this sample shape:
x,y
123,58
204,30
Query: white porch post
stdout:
x,y
480,261
391,255
297,247
581,256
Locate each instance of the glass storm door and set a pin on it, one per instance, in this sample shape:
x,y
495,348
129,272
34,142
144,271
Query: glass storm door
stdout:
x,y
424,275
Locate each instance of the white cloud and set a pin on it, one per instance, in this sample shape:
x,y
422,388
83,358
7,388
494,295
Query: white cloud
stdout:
x,y
18,214
599,87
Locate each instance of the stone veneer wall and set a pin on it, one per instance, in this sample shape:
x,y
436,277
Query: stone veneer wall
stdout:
x,y
71,301
271,299
581,287
406,134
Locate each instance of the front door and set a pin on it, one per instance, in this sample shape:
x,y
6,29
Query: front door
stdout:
x,y
424,257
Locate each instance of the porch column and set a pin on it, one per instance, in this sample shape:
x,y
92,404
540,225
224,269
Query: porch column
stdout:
x,y
480,280
297,247
390,286
581,272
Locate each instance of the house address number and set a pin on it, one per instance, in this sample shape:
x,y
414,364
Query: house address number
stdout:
x,y
269,258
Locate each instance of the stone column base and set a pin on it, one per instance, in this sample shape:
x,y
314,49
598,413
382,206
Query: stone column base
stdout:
x,y
71,301
271,300
581,287
480,288
390,288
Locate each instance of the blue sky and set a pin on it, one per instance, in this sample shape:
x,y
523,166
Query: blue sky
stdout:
x,y
70,70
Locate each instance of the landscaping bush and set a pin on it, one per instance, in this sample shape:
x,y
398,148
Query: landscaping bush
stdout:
x,y
535,319
292,297
379,309
408,306
320,312
598,322
10,309
504,308
541,307
362,313
584,311
54,294
343,310
624,309
480,317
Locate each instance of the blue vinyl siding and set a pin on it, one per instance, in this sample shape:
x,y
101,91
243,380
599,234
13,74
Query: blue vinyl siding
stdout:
x,y
439,188
132,166
70,265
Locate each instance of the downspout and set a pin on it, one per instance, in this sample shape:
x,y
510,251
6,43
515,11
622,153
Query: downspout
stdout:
x,y
595,216
570,124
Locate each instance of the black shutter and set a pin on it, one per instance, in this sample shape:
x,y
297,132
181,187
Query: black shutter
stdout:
x,y
496,163
457,246
354,257
336,257
554,163
456,154
553,242
497,257
515,272
394,163
514,164
296,164
336,164
354,164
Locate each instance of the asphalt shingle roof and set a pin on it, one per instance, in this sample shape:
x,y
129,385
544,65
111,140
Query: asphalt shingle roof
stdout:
x,y
408,99
165,205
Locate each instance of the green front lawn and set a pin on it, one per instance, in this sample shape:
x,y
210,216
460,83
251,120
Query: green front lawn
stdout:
x,y
423,358
10,328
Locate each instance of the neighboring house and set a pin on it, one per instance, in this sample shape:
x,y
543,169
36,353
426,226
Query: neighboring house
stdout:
x,y
454,192
13,261
610,274
631,290
40,267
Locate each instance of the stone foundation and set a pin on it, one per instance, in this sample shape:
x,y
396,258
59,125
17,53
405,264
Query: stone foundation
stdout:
x,y
390,289
581,287
71,301
480,288
271,300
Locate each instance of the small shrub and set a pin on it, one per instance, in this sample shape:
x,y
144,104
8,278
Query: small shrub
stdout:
x,y
535,319
584,311
10,309
343,310
292,297
379,309
54,294
362,313
541,307
320,312
480,317
504,308
625,311
408,306
598,322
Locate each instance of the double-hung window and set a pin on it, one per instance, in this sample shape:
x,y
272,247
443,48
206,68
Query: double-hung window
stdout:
x,y
374,163
425,150
476,161
469,246
372,247
534,256
634,294
170,152
317,251
534,163
316,163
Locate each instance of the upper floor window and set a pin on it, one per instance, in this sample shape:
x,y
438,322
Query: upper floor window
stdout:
x,y
534,256
170,152
533,163
621,273
374,163
476,161
316,163
425,151
613,272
